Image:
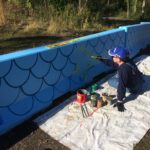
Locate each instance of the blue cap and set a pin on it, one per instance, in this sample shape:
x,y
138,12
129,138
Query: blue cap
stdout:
x,y
119,52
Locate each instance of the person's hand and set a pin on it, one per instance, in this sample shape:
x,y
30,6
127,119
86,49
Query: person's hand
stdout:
x,y
97,57
120,106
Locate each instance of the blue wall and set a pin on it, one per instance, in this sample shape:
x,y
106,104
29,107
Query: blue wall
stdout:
x,y
137,37
31,79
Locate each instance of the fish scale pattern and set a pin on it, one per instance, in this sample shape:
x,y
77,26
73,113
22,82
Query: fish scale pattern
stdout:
x,y
30,83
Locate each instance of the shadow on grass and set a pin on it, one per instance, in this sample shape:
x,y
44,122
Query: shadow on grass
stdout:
x,y
22,43
15,44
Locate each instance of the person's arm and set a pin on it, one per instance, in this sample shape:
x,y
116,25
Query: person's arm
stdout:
x,y
106,61
123,74
110,63
121,90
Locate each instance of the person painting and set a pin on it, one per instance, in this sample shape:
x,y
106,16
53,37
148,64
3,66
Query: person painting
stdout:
x,y
129,77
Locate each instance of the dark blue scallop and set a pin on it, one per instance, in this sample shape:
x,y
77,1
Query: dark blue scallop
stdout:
x,y
60,62
99,48
67,50
32,86
76,82
26,62
4,68
57,93
7,94
22,106
93,42
49,55
16,76
46,94
69,69
41,68
52,77
79,53
63,84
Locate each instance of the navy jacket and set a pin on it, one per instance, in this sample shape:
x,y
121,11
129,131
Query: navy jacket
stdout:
x,y
128,76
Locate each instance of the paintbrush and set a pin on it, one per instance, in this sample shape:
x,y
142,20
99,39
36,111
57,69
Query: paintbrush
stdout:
x,y
98,57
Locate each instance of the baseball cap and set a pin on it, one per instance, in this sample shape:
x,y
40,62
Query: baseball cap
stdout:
x,y
119,52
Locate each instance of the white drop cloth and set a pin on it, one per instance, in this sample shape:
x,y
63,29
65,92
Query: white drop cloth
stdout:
x,y
106,128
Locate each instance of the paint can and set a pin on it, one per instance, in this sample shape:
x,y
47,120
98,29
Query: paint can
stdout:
x,y
81,96
99,102
104,97
94,88
109,100
93,98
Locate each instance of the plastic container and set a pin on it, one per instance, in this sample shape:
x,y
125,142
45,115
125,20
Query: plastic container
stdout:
x,y
94,88
99,103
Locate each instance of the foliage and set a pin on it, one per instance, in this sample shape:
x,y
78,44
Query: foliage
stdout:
x,y
74,14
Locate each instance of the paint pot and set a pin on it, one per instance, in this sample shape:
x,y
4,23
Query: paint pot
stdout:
x,y
94,88
81,96
104,97
93,99
109,100
99,103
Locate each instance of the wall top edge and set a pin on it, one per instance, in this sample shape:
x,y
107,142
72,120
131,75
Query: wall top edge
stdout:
x,y
32,51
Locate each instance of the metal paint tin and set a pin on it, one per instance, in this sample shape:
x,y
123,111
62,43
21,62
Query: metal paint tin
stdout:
x,y
93,99
109,100
99,103
104,96
81,96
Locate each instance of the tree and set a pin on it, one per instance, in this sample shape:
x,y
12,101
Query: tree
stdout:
x,y
2,12
131,7
134,6
143,9
82,4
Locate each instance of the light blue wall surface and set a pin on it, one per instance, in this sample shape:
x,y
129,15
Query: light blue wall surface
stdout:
x,y
31,79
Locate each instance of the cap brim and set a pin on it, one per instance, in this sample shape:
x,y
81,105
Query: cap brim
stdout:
x,y
111,53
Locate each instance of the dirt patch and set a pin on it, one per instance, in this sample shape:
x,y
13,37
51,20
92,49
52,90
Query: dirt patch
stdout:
x,y
144,144
25,42
22,43
29,137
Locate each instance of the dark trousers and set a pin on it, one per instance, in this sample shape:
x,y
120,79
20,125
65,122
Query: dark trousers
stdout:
x,y
137,89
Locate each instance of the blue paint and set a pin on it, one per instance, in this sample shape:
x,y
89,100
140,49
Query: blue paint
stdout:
x,y
31,79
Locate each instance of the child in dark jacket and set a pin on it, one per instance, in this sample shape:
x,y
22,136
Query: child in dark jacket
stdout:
x,y
129,77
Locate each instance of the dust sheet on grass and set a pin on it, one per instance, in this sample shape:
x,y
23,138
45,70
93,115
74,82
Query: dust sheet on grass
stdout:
x,y
105,128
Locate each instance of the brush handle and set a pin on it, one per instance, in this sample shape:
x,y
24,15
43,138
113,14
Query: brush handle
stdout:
x,y
98,57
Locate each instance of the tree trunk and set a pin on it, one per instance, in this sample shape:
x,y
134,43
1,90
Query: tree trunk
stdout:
x,y
108,2
128,8
135,6
2,13
143,9
81,5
